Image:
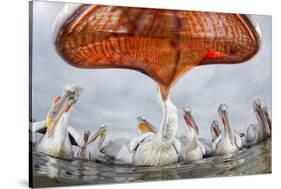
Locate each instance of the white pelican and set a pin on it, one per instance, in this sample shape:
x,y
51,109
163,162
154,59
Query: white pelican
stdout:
x,y
118,151
205,146
161,148
259,131
227,142
191,149
56,141
91,149
215,130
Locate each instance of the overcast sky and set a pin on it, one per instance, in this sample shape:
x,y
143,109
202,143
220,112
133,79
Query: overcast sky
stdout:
x,y
116,97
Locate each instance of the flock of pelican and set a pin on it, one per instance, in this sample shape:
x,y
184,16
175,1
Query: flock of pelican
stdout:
x,y
152,147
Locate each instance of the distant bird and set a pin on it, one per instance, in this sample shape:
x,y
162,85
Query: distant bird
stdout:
x,y
215,130
58,136
227,142
91,150
259,131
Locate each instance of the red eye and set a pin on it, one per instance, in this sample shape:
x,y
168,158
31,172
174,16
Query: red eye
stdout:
x,y
211,54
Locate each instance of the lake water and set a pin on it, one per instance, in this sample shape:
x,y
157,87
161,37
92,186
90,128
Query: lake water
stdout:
x,y
48,171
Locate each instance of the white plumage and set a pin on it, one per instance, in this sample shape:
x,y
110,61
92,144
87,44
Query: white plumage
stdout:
x,y
161,148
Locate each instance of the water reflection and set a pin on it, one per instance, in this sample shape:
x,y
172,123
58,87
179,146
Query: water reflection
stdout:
x,y
48,171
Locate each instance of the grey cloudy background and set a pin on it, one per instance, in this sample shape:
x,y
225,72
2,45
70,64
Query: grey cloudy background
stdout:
x,y
116,97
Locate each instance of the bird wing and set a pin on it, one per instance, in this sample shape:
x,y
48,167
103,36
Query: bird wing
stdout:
x,y
39,127
75,137
201,146
207,145
238,140
112,148
251,135
134,143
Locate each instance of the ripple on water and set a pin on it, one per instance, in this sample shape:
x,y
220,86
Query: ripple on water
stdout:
x,y
48,171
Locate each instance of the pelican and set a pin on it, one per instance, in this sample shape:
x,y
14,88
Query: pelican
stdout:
x,y
56,142
161,148
205,146
215,130
118,150
91,149
227,142
259,131
192,149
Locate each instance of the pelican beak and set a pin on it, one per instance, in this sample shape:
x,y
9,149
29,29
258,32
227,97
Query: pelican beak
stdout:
x,y
258,109
144,126
51,115
50,122
265,111
188,118
261,114
101,132
56,112
223,112
69,104
215,129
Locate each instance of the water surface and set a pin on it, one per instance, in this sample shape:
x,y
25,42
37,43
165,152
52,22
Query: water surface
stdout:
x,y
48,171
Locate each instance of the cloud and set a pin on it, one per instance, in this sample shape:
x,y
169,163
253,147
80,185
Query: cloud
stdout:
x,y
116,97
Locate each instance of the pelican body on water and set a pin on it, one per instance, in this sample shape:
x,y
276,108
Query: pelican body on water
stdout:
x,y
56,141
160,148
261,130
228,141
91,150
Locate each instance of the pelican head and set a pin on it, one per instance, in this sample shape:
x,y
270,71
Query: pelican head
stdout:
x,y
189,120
140,119
101,132
258,109
262,116
257,104
72,91
215,130
62,104
223,112
260,113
